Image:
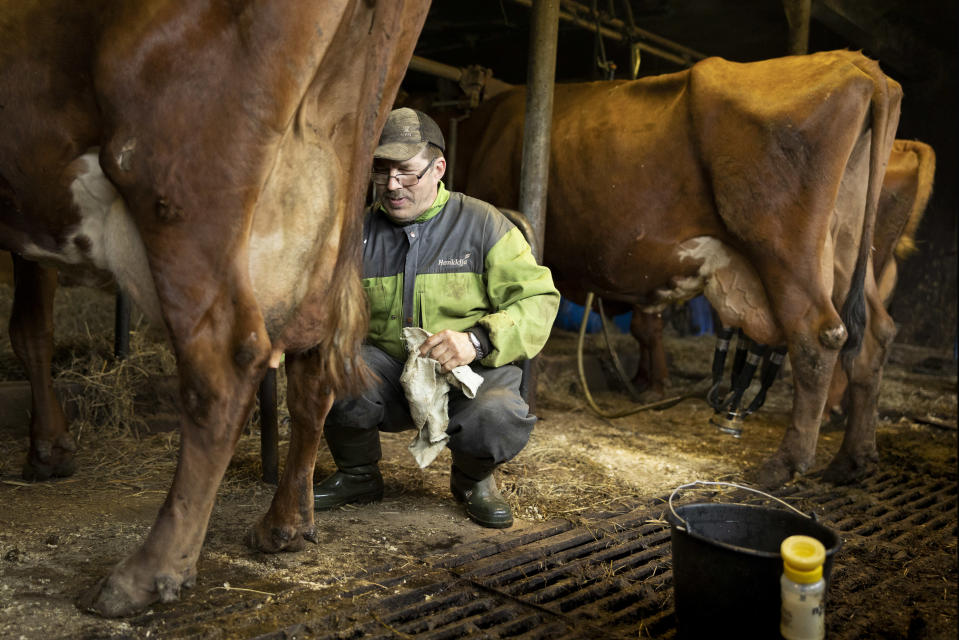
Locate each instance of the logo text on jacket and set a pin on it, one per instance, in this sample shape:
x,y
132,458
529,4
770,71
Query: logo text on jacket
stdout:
x,y
454,262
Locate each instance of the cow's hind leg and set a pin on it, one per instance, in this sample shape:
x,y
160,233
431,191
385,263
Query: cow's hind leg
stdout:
x,y
803,317
811,367
31,335
814,344
219,373
857,455
289,521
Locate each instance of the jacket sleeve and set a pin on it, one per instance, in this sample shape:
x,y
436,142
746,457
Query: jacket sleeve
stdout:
x,y
524,300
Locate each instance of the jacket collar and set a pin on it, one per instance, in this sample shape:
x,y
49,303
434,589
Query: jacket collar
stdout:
x,y
442,197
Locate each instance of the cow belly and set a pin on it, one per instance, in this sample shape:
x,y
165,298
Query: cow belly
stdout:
x,y
105,237
292,242
730,283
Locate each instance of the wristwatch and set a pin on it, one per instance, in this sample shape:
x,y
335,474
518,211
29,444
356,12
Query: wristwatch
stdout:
x,y
476,345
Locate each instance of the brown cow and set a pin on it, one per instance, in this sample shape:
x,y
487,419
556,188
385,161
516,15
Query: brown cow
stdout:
x,y
906,189
757,183
212,156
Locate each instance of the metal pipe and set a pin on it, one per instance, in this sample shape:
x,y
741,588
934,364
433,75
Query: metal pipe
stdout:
x,y
433,68
638,32
452,142
798,13
534,171
684,55
450,153
269,428
121,325
424,65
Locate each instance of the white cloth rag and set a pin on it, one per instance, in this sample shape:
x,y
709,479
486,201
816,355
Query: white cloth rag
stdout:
x,y
427,391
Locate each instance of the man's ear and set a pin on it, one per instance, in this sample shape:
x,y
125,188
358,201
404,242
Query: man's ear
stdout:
x,y
440,167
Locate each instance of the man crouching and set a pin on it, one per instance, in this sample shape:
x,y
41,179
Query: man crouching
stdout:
x,y
456,268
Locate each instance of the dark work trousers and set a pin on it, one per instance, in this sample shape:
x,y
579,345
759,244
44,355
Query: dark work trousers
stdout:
x,y
492,427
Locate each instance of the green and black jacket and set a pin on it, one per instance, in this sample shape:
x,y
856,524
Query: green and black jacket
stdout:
x,y
461,265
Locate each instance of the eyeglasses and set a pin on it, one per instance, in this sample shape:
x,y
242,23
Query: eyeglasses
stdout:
x,y
405,179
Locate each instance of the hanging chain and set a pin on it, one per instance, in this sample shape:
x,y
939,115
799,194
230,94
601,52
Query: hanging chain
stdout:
x,y
634,52
608,67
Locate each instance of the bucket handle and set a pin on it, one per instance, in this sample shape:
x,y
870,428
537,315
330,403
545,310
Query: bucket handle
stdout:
x,y
726,484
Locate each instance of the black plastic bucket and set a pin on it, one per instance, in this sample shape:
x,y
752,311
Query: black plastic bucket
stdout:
x,y
726,567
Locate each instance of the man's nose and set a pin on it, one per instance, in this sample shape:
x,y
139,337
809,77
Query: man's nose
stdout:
x,y
391,178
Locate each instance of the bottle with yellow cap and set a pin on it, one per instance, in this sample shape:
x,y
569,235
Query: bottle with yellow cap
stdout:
x,y
803,589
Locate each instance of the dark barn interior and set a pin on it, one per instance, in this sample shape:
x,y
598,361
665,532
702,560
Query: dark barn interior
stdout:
x,y
590,554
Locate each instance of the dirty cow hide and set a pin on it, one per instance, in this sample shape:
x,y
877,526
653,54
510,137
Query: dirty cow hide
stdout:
x,y
209,157
756,183
906,189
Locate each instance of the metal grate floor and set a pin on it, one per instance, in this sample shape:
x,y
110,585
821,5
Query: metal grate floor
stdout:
x,y
610,578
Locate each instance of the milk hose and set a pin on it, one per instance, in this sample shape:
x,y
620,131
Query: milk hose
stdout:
x,y
660,404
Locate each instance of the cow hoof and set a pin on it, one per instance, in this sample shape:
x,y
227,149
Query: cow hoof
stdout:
x,y
34,471
113,598
118,595
774,473
845,469
51,460
649,396
270,539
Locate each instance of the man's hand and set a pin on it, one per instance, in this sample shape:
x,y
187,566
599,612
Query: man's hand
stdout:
x,y
450,348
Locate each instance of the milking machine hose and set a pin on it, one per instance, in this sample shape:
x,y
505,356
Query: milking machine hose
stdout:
x,y
659,404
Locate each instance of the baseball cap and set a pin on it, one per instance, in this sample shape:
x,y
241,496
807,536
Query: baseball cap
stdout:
x,y
407,132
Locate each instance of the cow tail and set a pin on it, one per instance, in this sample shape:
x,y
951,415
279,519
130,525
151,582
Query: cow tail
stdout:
x,y
926,157
347,372
886,97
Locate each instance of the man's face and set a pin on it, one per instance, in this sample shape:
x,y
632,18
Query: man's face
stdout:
x,y
403,204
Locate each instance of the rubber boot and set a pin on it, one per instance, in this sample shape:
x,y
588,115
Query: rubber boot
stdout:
x,y
357,478
472,483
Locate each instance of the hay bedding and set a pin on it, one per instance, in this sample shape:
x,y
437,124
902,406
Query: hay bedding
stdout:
x,y
58,538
